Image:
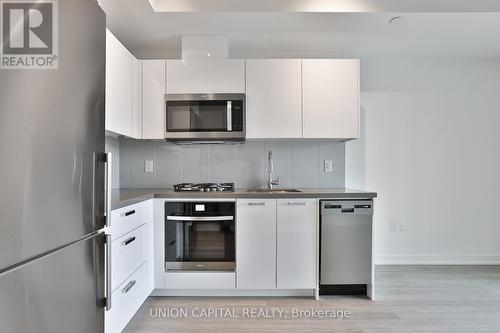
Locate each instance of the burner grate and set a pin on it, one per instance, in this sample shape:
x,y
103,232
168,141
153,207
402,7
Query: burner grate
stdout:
x,y
204,187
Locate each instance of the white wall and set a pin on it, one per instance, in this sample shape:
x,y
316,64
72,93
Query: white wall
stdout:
x,y
430,147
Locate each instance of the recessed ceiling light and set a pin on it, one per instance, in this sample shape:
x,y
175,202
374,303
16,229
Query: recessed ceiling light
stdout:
x,y
396,19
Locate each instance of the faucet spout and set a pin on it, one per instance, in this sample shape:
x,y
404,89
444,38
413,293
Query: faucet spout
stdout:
x,y
271,181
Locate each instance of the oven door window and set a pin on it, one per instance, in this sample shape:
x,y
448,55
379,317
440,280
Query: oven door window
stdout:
x,y
203,242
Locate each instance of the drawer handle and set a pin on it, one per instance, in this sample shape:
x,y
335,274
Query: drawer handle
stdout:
x,y
256,203
132,212
128,241
291,203
129,286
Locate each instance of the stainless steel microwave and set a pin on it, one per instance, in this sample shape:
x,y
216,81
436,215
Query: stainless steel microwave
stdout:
x,y
205,117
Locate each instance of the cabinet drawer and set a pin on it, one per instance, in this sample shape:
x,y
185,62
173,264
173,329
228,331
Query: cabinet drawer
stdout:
x,y
126,300
128,253
200,280
126,219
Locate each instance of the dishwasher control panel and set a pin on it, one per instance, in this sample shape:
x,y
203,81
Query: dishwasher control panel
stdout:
x,y
364,207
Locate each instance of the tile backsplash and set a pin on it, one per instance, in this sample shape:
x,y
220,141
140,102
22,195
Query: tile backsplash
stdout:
x,y
297,164
113,146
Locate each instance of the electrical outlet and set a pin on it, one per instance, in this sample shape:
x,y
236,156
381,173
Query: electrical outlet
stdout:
x,y
148,166
403,226
394,226
328,166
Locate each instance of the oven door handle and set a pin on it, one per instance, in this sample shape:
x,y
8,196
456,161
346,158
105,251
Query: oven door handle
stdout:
x,y
200,218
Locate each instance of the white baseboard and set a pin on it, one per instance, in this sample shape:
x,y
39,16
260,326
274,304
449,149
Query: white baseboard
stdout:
x,y
436,260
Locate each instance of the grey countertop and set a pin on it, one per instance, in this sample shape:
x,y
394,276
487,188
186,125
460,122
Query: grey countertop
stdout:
x,y
125,197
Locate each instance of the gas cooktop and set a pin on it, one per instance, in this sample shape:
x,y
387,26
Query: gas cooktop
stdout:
x,y
204,187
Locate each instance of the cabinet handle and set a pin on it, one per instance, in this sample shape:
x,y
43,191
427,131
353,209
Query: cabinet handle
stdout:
x,y
291,203
128,241
256,203
128,287
132,212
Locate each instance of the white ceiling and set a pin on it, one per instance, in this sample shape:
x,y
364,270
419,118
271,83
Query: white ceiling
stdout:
x,y
278,34
338,6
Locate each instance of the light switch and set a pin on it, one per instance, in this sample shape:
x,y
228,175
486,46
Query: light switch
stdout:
x,y
328,166
148,166
403,226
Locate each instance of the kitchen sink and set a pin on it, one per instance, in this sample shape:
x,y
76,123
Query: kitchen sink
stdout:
x,y
274,190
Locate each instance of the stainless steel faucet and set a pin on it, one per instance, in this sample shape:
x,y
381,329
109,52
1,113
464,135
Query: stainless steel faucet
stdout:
x,y
271,182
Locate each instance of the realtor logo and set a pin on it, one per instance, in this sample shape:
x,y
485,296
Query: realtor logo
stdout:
x,y
29,34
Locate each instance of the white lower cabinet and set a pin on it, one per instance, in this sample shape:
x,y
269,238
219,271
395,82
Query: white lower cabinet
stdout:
x,y
276,244
129,252
256,244
296,243
127,299
132,262
200,280
126,219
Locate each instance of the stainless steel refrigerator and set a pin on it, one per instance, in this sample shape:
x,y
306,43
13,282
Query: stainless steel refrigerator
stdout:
x,y
52,183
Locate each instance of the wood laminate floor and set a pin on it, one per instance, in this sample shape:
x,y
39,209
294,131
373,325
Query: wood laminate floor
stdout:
x,y
454,299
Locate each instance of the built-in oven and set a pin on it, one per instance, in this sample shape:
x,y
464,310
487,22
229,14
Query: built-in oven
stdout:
x,y
205,117
200,235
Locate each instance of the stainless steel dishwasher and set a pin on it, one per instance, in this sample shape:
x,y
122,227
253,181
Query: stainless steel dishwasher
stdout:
x,y
346,246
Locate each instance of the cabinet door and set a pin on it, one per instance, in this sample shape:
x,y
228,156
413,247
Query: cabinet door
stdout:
x,y
330,98
256,244
274,98
153,76
205,76
119,85
296,243
137,99
149,220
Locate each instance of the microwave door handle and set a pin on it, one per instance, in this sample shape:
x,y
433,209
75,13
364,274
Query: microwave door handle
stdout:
x,y
229,116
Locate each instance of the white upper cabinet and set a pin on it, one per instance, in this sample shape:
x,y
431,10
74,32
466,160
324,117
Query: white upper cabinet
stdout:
x,y
153,95
296,243
331,92
121,89
137,99
273,98
205,76
256,244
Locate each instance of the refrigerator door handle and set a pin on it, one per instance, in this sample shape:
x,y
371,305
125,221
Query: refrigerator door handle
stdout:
x,y
108,272
94,181
107,200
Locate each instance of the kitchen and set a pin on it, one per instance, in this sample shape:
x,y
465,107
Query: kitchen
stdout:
x,y
251,166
